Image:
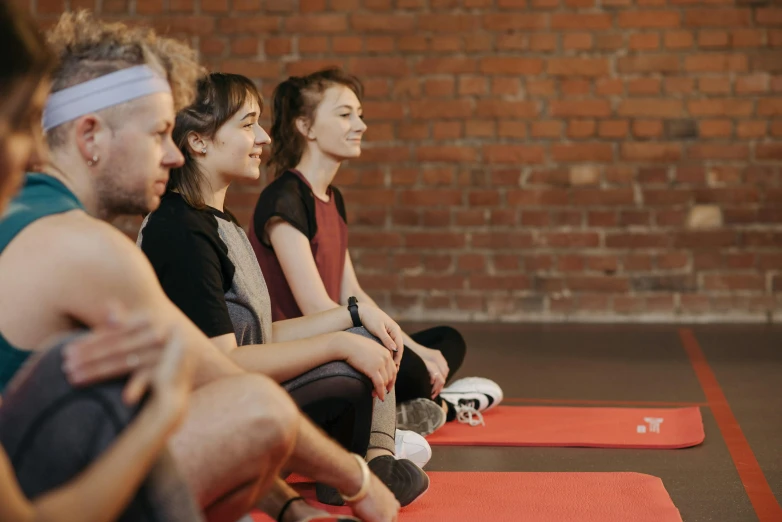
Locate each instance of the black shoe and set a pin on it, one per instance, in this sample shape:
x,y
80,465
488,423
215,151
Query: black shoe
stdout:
x,y
406,481
328,495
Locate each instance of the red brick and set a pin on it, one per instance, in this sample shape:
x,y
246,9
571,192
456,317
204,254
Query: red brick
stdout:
x,y
637,240
720,85
720,107
715,128
651,107
769,16
433,282
542,88
644,41
252,69
679,85
716,62
569,153
718,152
472,85
742,38
651,152
502,240
751,129
505,282
438,176
577,41
733,282
546,129
570,263
598,284
647,128
613,128
770,107
447,154
245,46
549,197
609,86
277,46
511,65
581,21
515,22
458,23
679,39
569,239
648,19
512,129
581,129
711,38
506,109
645,63
480,129
523,154
714,17
752,84
571,87
394,67
317,23
768,151
643,86
430,109
580,108
609,41
577,67
383,23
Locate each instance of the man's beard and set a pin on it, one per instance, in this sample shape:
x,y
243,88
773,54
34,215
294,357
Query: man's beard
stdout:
x,y
115,201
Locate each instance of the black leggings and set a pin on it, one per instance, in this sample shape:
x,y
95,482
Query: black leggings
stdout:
x,y
337,398
53,432
413,381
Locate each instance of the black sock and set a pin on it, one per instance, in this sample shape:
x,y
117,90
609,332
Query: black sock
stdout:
x,y
451,414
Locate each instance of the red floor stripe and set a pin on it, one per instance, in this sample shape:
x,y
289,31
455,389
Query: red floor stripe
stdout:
x,y
658,404
766,506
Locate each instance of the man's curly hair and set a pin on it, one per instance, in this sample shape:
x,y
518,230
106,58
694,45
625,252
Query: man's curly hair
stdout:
x,y
87,48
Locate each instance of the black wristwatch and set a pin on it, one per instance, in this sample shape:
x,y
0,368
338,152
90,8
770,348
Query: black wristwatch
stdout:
x,y
353,309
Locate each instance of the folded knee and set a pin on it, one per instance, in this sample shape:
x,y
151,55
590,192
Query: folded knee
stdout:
x,y
271,413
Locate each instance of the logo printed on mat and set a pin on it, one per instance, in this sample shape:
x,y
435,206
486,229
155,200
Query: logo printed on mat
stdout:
x,y
654,425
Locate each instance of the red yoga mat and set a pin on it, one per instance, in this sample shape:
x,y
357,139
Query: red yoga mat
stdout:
x,y
533,497
665,428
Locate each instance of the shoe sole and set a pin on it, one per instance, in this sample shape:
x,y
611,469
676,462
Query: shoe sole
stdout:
x,y
428,483
418,415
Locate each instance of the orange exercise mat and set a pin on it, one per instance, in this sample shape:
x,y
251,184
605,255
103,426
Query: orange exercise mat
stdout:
x,y
533,497
662,428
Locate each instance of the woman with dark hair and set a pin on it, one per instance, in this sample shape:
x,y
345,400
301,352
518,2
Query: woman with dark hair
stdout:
x,y
83,451
206,266
300,236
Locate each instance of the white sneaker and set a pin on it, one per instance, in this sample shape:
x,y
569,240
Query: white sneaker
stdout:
x,y
472,395
413,447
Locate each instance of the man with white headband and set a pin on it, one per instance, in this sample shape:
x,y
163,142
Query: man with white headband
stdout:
x,y
109,125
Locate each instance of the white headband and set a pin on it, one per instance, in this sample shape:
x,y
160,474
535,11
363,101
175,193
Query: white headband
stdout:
x,y
101,93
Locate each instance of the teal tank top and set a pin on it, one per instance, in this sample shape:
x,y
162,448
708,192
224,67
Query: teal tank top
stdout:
x,y
40,196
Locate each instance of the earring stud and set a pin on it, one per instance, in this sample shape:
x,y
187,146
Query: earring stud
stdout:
x,y
93,161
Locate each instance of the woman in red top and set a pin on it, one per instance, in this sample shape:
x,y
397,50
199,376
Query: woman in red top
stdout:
x,y
300,236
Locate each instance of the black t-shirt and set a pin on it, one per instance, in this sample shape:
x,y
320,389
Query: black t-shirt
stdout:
x,y
191,261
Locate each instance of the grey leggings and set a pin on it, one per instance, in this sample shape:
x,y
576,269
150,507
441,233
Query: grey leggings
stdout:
x,y
338,398
52,432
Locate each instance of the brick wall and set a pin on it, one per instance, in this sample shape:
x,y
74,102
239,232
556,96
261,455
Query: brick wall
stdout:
x,y
536,159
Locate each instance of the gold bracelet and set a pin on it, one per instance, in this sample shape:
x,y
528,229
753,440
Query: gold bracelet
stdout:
x,y
364,482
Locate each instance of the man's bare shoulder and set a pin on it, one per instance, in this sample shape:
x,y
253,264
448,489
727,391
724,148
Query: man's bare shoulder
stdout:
x,y
78,243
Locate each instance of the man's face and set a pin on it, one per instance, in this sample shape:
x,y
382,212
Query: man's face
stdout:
x,y
133,176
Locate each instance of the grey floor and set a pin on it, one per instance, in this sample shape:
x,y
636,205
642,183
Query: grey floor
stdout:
x,y
637,363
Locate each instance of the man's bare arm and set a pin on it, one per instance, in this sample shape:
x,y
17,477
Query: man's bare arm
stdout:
x,y
96,263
